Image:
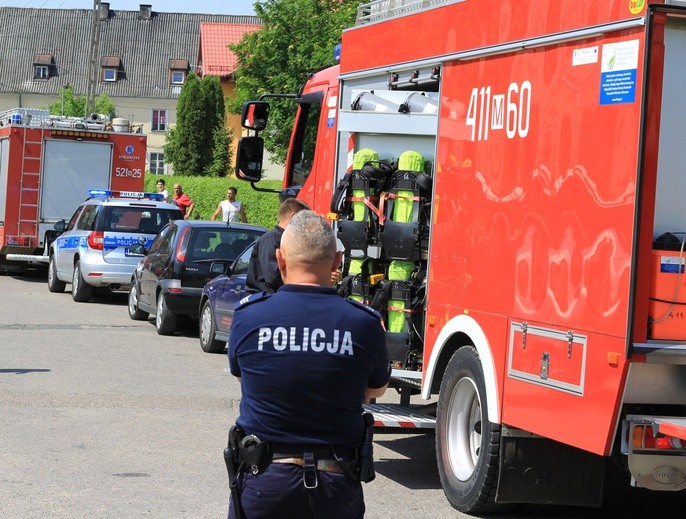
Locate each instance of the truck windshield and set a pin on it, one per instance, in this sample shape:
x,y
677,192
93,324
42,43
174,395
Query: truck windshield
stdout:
x,y
305,138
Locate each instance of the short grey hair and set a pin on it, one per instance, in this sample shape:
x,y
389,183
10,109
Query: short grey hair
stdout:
x,y
310,237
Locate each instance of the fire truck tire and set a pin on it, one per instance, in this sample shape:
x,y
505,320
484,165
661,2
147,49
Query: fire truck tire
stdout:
x,y
54,284
135,313
208,340
467,444
165,320
81,291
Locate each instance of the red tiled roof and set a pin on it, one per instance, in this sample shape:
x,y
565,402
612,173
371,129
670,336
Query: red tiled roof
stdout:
x,y
215,56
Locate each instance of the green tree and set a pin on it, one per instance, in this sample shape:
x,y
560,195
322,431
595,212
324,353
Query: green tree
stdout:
x,y
199,143
297,37
75,106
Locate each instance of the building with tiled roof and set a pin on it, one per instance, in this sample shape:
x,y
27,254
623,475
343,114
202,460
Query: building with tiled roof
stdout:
x,y
142,60
215,58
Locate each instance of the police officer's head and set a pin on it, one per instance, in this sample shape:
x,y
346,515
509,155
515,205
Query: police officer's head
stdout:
x,y
288,208
308,254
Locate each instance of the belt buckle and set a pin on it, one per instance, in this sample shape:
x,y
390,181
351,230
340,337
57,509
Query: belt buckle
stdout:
x,y
310,479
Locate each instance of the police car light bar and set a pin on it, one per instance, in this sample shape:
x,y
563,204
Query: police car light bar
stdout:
x,y
99,192
125,194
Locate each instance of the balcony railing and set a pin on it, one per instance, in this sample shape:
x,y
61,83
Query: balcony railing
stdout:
x,y
378,10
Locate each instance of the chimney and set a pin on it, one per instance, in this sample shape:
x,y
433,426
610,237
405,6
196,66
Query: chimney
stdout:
x,y
104,10
145,12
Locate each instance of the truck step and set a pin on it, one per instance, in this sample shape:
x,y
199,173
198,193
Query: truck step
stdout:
x,y
399,416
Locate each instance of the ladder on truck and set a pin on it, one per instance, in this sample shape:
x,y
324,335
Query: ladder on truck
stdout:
x,y
29,191
403,415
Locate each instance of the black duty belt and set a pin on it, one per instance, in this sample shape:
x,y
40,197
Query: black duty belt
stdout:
x,y
320,452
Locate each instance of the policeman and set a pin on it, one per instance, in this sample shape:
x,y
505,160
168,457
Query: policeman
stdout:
x,y
263,273
307,359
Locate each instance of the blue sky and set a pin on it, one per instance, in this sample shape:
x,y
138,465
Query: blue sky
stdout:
x,y
169,6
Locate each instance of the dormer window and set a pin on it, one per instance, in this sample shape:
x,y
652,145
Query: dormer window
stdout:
x,y
43,64
110,68
109,74
178,68
41,72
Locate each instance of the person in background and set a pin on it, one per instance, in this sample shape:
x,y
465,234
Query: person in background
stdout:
x,y
231,209
161,188
183,201
300,424
263,272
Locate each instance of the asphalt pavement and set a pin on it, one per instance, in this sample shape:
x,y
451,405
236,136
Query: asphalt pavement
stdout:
x,y
100,417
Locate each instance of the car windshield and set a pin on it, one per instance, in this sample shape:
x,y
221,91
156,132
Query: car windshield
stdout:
x,y
226,244
148,220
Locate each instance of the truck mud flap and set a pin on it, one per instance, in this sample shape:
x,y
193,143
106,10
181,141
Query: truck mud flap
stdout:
x,y
540,470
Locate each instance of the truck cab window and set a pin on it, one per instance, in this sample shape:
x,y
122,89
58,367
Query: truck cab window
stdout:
x,y
304,145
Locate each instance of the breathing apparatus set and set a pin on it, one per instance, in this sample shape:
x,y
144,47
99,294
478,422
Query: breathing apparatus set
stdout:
x,y
382,210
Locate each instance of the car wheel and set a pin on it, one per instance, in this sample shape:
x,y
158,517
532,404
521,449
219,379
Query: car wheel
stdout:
x,y
54,284
135,313
467,444
208,341
81,291
165,320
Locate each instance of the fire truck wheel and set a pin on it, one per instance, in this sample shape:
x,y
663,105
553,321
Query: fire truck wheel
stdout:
x,y
81,291
467,443
208,341
54,284
165,320
135,313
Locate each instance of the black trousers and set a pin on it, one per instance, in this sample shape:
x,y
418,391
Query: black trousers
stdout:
x,y
278,492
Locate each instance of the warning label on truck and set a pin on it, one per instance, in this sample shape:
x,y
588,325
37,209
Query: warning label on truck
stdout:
x,y
618,72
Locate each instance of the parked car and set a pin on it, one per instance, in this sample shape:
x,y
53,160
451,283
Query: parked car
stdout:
x,y
94,249
217,302
169,280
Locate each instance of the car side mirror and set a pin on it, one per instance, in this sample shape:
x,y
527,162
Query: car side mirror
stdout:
x,y
249,161
137,249
60,226
217,268
255,115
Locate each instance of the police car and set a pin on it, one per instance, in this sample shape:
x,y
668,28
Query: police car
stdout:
x,y
93,250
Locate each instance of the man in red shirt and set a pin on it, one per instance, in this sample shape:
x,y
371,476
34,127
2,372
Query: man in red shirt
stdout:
x,y
185,204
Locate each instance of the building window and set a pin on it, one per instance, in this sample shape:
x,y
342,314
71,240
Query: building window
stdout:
x,y
109,74
177,71
178,77
41,72
156,163
159,120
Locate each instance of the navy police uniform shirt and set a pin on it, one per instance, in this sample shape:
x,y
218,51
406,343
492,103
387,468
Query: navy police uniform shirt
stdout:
x,y
263,272
305,357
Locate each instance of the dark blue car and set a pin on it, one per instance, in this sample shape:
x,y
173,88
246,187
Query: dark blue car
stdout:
x,y
218,299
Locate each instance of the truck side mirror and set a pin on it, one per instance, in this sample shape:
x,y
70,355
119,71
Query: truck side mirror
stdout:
x,y
249,161
255,115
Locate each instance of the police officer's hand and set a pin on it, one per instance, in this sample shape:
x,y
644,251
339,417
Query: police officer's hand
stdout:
x,y
336,277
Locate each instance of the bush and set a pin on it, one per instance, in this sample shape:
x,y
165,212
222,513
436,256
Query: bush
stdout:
x,y
207,192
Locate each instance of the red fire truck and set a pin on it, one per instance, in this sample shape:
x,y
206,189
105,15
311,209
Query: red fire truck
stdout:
x,y
507,180
47,166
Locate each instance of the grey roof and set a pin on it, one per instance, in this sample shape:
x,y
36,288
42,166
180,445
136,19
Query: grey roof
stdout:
x,y
144,46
